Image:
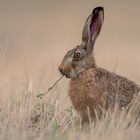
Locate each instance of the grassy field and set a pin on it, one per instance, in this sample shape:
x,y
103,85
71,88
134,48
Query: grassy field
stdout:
x,y
34,36
24,116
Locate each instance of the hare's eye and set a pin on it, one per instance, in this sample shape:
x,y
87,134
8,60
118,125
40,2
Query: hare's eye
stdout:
x,y
77,56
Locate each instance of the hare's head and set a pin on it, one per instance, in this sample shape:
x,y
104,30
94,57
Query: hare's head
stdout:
x,y
80,58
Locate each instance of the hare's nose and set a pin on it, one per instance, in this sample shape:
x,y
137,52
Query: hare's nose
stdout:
x,y
64,69
61,69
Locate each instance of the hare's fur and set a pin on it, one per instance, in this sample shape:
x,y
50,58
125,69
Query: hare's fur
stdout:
x,y
97,89
92,89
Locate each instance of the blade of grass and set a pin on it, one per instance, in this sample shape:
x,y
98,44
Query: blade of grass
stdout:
x,y
41,95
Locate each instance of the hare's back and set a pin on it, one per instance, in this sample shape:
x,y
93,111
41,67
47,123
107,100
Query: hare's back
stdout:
x,y
116,86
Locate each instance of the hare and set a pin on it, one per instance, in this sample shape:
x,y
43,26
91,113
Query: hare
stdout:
x,y
93,89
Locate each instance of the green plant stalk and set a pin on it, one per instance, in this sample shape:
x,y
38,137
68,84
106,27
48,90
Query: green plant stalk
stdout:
x,y
49,89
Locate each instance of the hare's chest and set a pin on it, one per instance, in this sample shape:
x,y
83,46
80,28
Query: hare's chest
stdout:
x,y
81,94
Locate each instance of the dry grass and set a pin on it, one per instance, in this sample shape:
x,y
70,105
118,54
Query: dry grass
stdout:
x,y
27,117
34,37
24,116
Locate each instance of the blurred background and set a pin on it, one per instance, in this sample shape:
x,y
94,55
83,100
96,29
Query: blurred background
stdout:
x,y
36,34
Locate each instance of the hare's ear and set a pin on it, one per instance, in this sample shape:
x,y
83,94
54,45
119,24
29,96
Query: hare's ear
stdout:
x,y
92,27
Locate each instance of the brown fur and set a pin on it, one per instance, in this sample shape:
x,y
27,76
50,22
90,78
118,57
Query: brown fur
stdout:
x,y
94,90
97,89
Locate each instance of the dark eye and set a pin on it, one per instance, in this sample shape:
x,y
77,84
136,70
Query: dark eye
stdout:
x,y
77,56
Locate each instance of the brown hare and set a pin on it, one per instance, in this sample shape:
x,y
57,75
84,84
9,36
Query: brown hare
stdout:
x,y
92,88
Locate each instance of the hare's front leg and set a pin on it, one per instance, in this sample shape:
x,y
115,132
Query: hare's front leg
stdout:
x,y
84,120
87,116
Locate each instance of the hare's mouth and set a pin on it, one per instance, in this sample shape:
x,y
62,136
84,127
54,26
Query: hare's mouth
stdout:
x,y
67,71
69,75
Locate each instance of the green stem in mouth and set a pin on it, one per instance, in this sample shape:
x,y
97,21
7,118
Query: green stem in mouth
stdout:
x,y
49,89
